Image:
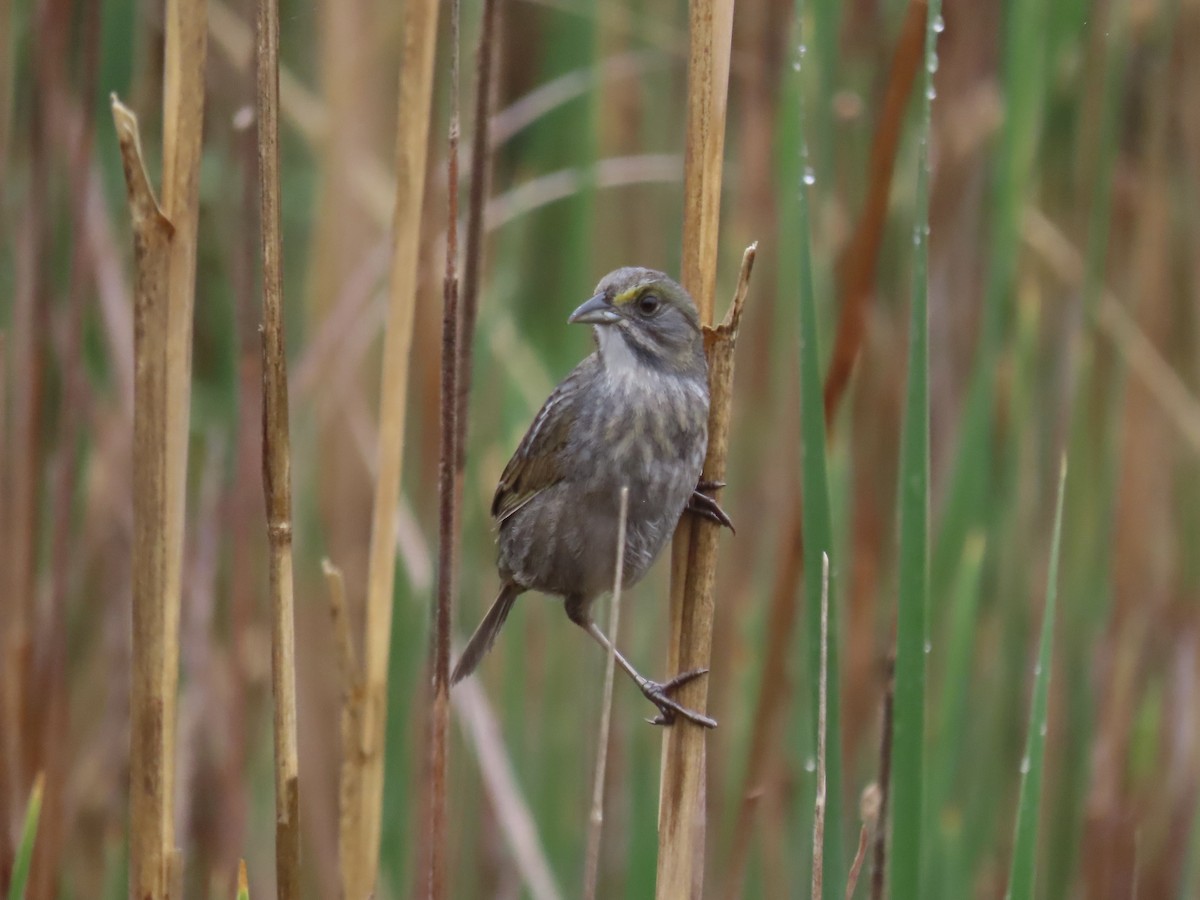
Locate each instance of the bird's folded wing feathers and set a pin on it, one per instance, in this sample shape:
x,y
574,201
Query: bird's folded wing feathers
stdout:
x,y
537,463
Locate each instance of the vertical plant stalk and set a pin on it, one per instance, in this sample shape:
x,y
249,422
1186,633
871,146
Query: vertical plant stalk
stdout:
x,y
151,817
485,70
682,792
350,780
908,741
591,869
186,34
816,515
681,797
277,464
443,601
1022,877
412,136
818,860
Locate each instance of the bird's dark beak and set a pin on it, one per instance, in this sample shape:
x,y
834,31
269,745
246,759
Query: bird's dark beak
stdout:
x,y
596,311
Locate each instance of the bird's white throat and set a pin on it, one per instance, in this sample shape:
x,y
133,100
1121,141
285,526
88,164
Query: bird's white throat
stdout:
x,y
619,360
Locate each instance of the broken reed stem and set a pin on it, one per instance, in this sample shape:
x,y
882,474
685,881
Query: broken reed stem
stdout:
x,y
412,135
443,601
277,481
822,701
350,678
591,869
879,860
151,807
683,785
860,260
485,65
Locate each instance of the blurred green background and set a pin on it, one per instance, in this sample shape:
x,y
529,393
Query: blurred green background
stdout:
x,y
1064,317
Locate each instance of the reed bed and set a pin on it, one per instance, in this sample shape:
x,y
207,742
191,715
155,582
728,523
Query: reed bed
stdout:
x,y
970,264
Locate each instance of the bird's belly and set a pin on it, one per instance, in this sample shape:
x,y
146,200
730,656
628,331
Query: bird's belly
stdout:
x,y
564,541
649,436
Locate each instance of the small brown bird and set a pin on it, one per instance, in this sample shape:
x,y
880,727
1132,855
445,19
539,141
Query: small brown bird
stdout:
x,y
634,414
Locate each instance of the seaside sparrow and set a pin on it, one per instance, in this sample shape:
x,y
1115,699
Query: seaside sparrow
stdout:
x,y
634,413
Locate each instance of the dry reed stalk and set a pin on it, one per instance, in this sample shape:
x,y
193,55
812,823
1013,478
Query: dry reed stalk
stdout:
x,y
591,869
860,259
681,800
485,70
682,793
151,819
277,463
351,680
818,864
412,127
165,263
448,497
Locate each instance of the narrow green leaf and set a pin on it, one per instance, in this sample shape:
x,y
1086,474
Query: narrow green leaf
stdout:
x,y
1024,870
908,730
817,523
20,874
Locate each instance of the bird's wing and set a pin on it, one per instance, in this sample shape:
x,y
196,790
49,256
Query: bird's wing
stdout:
x,y
538,462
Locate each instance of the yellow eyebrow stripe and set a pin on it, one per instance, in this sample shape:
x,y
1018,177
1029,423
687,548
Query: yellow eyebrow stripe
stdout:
x,y
626,296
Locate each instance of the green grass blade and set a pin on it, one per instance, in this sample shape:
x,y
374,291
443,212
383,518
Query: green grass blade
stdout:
x,y
818,529
1024,868
908,736
20,874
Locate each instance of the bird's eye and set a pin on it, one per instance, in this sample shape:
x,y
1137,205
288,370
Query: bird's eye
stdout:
x,y
648,304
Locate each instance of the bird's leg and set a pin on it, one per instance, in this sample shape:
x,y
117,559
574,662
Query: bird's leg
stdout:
x,y
657,693
701,504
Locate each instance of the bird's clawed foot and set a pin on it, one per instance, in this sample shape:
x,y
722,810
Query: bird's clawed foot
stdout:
x,y
659,695
702,504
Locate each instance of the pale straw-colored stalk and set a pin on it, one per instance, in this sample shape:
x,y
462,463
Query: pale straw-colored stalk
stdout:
x,y
591,869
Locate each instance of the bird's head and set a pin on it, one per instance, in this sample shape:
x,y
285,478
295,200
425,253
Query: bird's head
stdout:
x,y
644,318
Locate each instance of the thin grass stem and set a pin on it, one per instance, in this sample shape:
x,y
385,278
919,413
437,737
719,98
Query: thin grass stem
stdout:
x,y
277,482
591,870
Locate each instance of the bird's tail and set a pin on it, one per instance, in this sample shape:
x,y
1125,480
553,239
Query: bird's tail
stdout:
x,y
485,635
